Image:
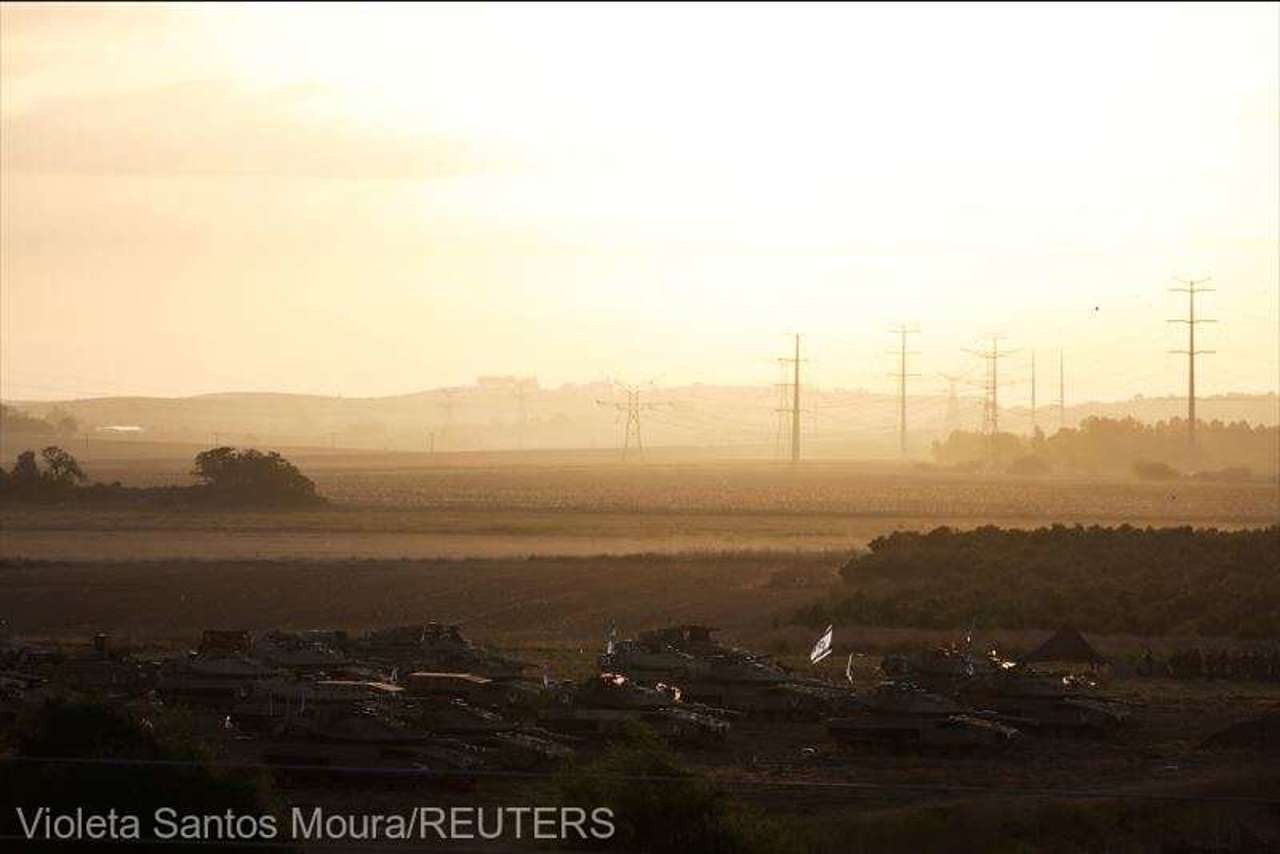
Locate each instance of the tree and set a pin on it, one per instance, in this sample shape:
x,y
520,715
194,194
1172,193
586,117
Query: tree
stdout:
x,y
26,472
252,476
61,469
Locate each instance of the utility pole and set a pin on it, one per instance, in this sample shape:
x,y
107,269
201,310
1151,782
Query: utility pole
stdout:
x,y
902,332
991,397
1062,393
795,401
1192,287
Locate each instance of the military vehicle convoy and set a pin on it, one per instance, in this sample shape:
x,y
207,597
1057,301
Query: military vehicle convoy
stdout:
x,y
600,707
902,716
718,676
1030,699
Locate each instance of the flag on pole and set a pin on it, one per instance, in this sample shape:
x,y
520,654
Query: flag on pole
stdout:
x,y
822,648
613,638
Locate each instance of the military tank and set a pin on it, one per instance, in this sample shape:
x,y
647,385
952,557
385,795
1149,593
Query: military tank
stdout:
x,y
601,706
433,647
903,716
1045,704
1033,701
718,676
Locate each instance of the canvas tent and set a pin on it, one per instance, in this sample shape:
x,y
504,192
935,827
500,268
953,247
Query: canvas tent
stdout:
x,y
1067,644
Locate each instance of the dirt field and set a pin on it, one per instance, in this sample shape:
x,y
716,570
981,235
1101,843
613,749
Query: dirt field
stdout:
x,y
397,505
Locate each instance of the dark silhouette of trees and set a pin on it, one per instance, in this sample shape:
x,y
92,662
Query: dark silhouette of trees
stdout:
x,y
28,481
229,477
252,476
61,469
1144,581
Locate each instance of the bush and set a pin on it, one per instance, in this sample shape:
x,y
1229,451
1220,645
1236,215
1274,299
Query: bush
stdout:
x,y
253,477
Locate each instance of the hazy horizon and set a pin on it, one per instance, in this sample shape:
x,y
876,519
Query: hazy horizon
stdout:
x,y
370,201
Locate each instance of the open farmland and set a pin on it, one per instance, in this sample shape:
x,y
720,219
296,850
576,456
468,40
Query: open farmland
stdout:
x,y
392,505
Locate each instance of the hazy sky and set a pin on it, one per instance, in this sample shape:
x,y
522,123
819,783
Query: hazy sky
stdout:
x,y
372,200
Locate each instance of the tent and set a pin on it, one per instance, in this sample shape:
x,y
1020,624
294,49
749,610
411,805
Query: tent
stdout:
x,y
1067,644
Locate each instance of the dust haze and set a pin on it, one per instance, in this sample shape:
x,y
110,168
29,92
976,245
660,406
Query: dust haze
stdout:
x,y
770,428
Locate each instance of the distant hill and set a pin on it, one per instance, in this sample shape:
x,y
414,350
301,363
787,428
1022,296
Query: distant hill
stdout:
x,y
497,415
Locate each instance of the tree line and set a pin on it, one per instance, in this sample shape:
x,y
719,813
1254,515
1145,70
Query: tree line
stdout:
x,y
227,476
1121,580
1236,449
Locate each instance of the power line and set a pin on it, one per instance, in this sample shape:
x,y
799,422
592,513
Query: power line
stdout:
x,y
1192,288
902,332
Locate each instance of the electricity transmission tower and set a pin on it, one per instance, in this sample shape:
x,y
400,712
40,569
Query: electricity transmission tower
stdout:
x,y
902,332
630,411
991,396
1192,287
794,408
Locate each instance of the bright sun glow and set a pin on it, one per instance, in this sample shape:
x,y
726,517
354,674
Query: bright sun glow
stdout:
x,y
709,174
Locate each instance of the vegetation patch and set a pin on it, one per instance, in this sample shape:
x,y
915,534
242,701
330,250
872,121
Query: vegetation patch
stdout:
x,y
1121,580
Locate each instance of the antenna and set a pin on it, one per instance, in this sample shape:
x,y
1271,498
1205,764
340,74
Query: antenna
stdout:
x,y
1192,287
902,332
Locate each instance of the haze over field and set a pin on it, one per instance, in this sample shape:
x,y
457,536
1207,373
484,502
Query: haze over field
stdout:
x,y
376,200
